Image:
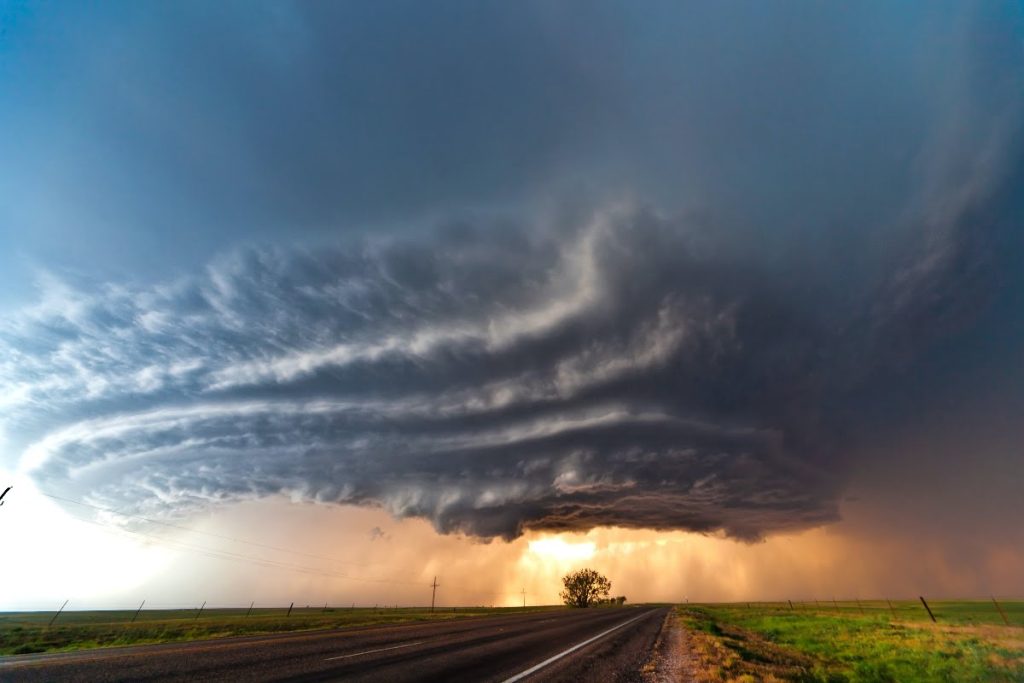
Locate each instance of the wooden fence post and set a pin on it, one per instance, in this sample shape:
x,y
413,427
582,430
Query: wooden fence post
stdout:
x,y
928,608
58,613
136,616
1001,612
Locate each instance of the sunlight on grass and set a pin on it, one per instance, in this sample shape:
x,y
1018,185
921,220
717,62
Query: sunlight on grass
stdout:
x,y
856,642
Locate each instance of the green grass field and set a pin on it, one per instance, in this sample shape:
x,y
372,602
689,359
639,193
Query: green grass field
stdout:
x,y
731,643
27,632
856,642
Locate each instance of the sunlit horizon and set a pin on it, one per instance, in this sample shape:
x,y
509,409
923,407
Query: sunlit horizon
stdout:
x,y
316,302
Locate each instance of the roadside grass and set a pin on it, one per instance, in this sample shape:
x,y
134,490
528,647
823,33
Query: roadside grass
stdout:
x,y
27,632
855,643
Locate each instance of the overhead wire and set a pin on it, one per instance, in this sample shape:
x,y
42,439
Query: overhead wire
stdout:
x,y
209,533
229,555
221,554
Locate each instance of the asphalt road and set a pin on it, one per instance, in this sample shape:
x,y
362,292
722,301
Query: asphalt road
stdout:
x,y
602,644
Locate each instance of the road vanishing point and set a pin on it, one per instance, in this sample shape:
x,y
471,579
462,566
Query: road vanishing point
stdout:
x,y
572,645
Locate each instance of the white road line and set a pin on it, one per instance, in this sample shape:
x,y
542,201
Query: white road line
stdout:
x,y
549,660
370,652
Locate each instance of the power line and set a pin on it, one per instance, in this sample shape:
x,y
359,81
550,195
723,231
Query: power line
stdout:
x,y
228,555
220,554
210,534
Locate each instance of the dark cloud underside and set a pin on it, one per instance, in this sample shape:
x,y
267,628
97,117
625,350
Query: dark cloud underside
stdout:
x,y
509,266
627,371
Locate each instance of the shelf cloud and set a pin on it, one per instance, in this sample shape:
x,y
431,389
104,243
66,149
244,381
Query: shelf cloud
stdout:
x,y
506,267
626,371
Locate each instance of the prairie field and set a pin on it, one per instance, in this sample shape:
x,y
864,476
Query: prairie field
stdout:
x,y
854,641
29,632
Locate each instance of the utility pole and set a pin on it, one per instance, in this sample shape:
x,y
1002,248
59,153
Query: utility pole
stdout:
x,y
524,597
433,593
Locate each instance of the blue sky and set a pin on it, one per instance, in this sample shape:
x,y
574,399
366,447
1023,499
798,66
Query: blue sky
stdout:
x,y
515,268
143,138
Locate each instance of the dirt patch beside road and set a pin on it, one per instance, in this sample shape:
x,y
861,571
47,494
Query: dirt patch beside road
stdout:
x,y
672,659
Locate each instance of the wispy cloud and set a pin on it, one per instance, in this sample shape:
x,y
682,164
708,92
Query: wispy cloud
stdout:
x,y
496,350
600,374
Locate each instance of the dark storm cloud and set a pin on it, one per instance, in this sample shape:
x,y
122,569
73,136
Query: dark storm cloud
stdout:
x,y
626,371
816,202
159,133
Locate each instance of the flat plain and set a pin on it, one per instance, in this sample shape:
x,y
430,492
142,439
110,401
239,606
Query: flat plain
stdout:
x,y
551,646
30,632
830,641
854,641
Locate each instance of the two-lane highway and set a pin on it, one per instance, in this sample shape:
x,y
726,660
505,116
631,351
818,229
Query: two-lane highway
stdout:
x,y
571,645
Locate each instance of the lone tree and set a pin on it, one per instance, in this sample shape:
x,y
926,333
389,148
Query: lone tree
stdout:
x,y
585,588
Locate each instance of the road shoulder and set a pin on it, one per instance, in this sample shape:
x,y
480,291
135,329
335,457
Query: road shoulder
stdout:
x,y
671,658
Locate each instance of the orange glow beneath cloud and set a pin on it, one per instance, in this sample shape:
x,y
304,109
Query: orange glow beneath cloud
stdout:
x,y
396,564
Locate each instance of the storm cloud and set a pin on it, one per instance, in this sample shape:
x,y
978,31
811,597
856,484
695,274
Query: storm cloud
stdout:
x,y
505,268
626,371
